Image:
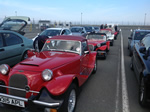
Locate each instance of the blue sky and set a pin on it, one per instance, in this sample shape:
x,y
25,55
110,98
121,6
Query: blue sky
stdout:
x,y
70,10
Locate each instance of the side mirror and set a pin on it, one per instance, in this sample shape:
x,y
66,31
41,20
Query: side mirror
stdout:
x,y
129,37
148,52
82,32
86,52
142,50
91,47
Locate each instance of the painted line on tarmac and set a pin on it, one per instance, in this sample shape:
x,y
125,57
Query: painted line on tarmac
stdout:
x,y
125,101
118,85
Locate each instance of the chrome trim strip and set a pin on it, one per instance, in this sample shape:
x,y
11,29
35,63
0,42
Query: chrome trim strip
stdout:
x,y
46,104
19,89
34,101
14,97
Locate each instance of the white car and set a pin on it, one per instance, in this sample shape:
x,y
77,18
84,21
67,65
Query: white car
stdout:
x,y
54,32
110,36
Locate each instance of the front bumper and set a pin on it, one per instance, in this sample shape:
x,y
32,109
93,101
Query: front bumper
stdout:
x,y
36,102
101,53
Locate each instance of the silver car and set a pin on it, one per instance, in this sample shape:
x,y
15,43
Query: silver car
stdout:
x,y
135,37
54,32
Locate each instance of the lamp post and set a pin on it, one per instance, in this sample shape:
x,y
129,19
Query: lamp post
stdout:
x,y
145,19
81,18
16,13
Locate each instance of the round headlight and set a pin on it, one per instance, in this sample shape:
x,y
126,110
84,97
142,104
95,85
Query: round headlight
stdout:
x,y
4,69
47,75
98,45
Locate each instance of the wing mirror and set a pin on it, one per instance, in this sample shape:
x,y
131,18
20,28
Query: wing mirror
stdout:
x,y
91,47
86,52
142,50
129,38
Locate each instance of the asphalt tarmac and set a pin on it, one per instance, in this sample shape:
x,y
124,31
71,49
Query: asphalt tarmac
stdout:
x,y
113,88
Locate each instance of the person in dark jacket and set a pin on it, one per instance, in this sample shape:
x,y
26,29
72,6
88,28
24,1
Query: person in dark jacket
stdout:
x,y
116,29
39,42
102,26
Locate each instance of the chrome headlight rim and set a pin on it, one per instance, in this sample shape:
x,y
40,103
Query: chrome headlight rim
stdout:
x,y
4,69
99,45
47,75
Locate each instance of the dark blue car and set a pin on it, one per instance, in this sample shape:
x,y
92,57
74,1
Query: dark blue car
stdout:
x,y
140,63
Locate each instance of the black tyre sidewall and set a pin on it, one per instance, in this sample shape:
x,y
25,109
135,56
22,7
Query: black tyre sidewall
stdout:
x,y
64,106
143,103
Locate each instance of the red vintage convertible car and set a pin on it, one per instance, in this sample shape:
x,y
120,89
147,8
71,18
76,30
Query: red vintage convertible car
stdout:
x,y
98,42
49,80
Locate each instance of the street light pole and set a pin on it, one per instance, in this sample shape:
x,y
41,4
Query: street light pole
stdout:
x,y
16,13
145,19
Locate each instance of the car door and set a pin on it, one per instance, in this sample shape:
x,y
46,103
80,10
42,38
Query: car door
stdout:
x,y
84,60
136,62
12,49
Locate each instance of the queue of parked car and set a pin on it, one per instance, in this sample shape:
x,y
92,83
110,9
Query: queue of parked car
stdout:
x,y
48,80
55,69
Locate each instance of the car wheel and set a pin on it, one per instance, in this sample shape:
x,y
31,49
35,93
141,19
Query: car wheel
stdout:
x,y
70,99
25,56
112,43
105,55
95,67
142,93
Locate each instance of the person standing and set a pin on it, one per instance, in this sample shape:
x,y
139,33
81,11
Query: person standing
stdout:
x,y
102,26
39,42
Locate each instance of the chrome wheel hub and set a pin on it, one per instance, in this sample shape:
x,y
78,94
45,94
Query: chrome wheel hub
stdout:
x,y
72,101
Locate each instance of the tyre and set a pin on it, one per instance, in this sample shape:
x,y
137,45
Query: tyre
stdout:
x,y
142,93
70,99
105,55
25,56
112,43
95,67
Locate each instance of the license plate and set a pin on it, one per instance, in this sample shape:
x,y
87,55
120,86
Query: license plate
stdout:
x,y
12,101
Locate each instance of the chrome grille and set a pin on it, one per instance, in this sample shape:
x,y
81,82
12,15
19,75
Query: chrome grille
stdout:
x,y
18,81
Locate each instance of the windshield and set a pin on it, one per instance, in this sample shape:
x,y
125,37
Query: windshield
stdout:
x,y
14,25
62,45
96,37
79,30
51,32
140,35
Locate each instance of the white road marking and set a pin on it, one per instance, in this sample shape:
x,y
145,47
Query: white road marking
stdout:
x,y
125,101
118,85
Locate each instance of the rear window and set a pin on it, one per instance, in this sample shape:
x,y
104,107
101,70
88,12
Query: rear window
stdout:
x,y
140,35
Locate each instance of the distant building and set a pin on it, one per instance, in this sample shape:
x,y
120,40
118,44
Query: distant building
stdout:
x,y
43,24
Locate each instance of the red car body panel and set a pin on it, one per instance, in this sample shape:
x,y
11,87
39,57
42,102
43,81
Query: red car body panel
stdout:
x,y
66,67
95,42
